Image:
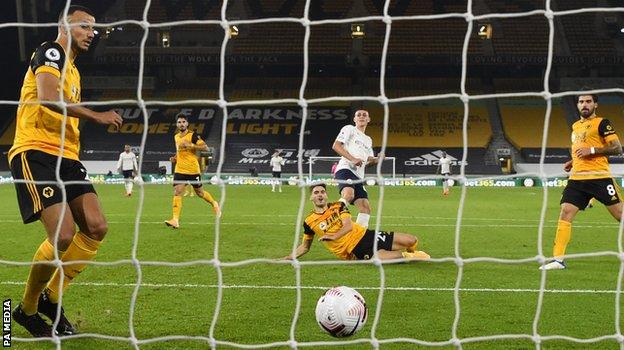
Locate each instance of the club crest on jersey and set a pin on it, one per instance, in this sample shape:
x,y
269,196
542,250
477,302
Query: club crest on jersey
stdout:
x,y
323,225
53,54
579,137
48,192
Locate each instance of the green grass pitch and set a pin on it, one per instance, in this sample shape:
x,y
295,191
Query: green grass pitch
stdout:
x,y
259,298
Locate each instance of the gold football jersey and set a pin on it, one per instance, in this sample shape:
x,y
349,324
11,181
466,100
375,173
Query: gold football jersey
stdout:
x,y
591,132
37,126
187,161
330,222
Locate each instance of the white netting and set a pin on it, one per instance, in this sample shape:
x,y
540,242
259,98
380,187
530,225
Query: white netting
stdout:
x,y
292,342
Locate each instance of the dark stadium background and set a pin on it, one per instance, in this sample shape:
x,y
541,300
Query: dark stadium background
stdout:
x,y
265,62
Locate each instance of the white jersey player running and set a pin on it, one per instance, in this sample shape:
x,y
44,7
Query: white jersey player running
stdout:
x,y
356,151
127,165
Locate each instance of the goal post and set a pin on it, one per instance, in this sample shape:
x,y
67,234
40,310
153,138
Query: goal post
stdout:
x,y
322,166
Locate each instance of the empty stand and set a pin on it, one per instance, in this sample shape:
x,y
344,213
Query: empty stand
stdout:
x,y
430,125
523,123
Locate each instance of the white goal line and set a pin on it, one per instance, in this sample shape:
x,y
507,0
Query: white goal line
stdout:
x,y
404,289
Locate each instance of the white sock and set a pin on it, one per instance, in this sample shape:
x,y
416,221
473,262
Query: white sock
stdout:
x,y
130,184
444,184
126,186
362,219
273,186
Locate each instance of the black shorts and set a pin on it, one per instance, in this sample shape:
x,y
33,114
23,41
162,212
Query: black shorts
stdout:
x,y
364,249
580,192
193,179
358,188
127,174
277,174
40,166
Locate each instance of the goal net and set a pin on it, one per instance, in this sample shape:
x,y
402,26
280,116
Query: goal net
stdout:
x,y
128,278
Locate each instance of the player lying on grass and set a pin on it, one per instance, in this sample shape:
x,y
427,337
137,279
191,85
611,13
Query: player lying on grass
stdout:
x,y
348,240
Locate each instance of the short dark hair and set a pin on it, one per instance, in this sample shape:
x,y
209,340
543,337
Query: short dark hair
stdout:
x,y
321,184
586,88
594,97
181,115
74,8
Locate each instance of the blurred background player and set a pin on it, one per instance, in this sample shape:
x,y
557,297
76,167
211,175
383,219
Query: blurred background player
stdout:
x,y
187,169
356,151
34,157
127,165
593,140
444,168
203,165
348,240
276,166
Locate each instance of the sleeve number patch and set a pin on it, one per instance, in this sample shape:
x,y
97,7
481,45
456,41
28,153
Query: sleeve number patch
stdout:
x,y
53,54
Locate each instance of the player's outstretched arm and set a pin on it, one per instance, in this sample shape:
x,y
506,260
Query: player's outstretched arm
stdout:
x,y
301,250
374,160
339,148
48,95
613,148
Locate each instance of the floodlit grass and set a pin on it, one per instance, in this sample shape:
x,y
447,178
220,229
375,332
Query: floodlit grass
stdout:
x,y
259,299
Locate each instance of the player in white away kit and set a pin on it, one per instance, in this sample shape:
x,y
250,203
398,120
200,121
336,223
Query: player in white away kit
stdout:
x,y
276,165
127,164
356,151
445,170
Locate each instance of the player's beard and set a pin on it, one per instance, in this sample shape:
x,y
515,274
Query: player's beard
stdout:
x,y
587,112
77,48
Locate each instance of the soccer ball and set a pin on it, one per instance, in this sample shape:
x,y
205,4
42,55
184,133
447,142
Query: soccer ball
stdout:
x,y
341,312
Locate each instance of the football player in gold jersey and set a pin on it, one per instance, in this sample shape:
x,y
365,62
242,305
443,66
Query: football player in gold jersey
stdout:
x,y
331,224
187,169
33,157
593,140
